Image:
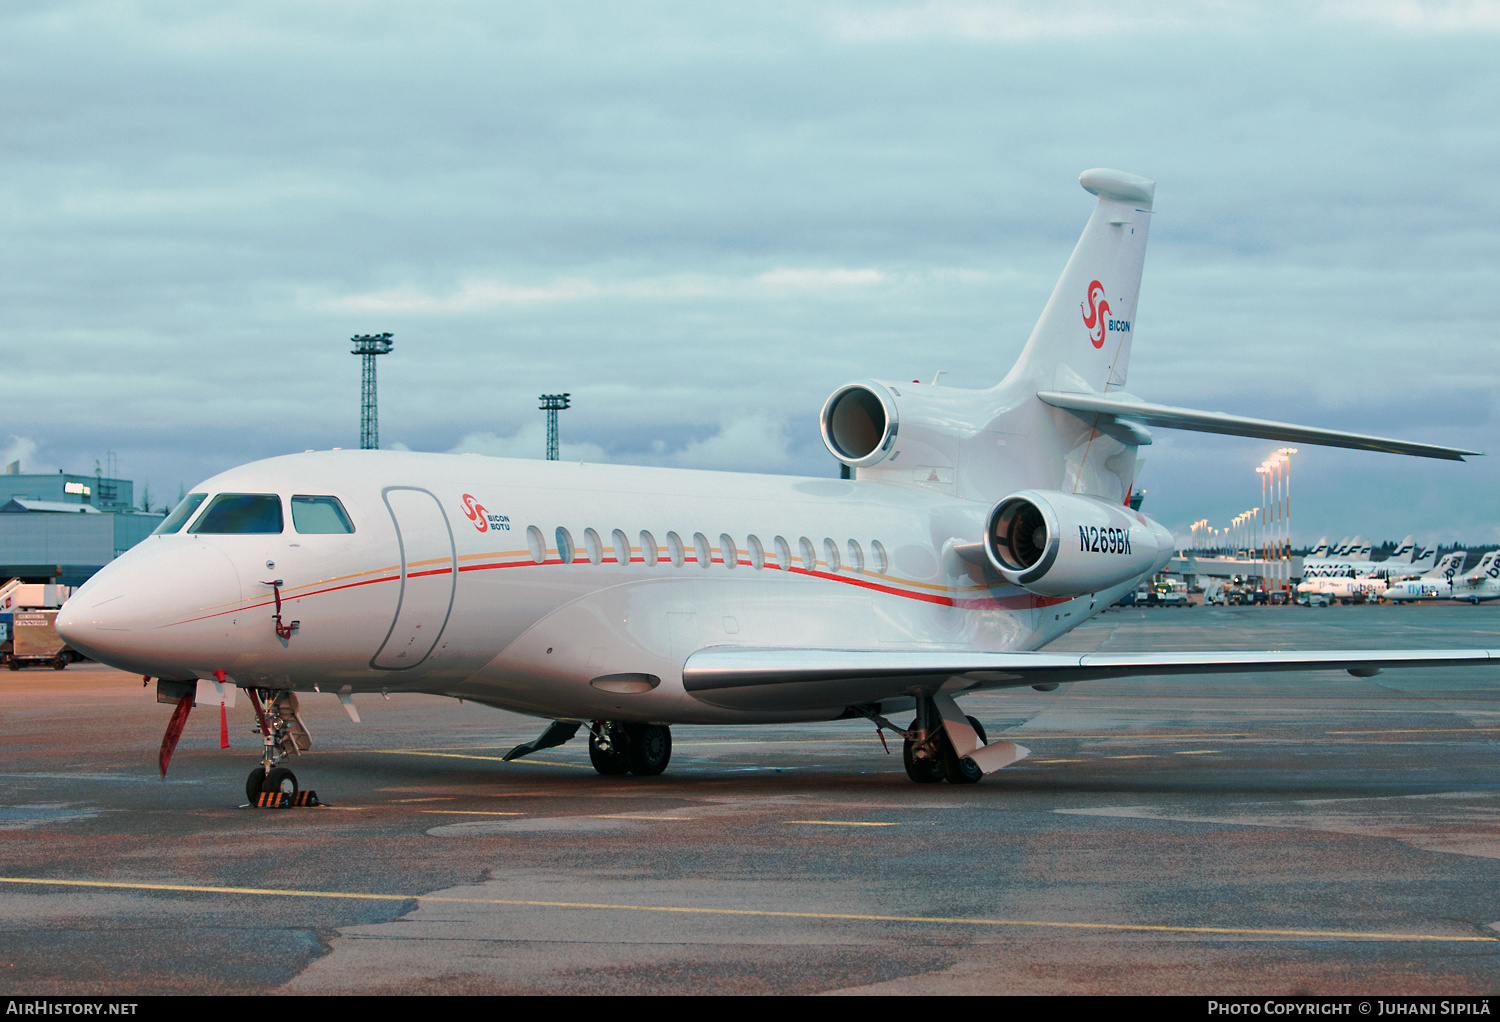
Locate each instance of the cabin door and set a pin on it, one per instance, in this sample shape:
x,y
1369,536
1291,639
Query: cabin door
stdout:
x,y
428,577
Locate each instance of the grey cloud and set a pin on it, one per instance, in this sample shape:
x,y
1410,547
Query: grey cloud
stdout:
x,y
698,217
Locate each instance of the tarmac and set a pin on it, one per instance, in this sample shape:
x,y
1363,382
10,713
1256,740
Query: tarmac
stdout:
x,y
1269,834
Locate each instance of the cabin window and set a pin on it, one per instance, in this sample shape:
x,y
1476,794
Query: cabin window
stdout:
x,y
231,513
701,551
856,557
879,561
674,549
180,514
831,554
537,544
565,545
622,547
757,552
592,544
650,553
783,553
320,516
730,551
809,554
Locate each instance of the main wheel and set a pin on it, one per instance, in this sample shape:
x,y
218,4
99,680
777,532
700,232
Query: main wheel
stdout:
x,y
957,769
924,771
610,762
281,779
255,784
648,748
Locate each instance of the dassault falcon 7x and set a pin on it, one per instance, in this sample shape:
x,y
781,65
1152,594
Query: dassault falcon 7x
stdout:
x,y
979,525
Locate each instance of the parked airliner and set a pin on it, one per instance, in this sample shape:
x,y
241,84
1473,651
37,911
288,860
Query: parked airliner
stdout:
x,y
1437,584
980,525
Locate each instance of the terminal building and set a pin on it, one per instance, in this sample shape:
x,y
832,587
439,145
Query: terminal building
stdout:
x,y
62,528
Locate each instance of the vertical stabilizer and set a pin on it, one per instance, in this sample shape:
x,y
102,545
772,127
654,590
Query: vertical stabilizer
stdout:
x,y
1407,551
1082,340
1319,552
1449,565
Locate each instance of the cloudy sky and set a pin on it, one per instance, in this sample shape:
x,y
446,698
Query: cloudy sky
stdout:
x,y
700,218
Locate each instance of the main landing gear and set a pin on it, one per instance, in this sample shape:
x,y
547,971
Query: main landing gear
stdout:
x,y
928,753
284,735
617,748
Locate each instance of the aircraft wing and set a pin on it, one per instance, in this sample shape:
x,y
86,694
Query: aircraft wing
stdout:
x,y
1166,416
781,679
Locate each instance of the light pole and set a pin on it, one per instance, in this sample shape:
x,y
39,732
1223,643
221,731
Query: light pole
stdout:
x,y
1286,509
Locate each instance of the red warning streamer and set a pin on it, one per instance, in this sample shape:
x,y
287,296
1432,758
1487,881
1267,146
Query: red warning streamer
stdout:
x,y
174,732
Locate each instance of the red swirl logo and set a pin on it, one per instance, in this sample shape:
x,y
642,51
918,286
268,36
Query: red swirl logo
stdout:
x,y
475,512
1094,313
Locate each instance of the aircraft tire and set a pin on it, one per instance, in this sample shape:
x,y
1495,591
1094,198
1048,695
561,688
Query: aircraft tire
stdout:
x,y
609,762
923,771
958,769
281,779
255,784
648,748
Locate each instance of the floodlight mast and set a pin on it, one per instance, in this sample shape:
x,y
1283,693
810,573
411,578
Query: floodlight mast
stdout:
x,y
552,404
369,345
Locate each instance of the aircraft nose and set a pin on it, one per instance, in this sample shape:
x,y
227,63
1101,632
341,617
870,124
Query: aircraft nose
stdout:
x,y
156,610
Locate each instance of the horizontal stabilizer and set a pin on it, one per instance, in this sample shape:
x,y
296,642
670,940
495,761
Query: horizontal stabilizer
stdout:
x,y
1134,410
781,679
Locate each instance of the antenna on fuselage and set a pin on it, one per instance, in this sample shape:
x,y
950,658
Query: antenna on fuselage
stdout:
x,y
369,345
552,404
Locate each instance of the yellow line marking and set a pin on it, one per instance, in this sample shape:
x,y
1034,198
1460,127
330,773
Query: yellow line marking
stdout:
x,y
1196,752
1028,736
843,823
462,812
632,816
748,912
1056,761
1421,731
491,759
435,798
1139,756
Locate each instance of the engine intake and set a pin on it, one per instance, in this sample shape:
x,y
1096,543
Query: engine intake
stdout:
x,y
1063,544
859,424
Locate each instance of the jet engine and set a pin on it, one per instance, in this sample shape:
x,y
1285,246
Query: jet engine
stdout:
x,y
1065,544
859,423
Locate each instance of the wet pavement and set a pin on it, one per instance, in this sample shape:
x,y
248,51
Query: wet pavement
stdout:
x,y
1245,834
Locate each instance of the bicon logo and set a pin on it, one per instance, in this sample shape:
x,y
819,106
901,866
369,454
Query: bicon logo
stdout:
x,y
1094,312
475,512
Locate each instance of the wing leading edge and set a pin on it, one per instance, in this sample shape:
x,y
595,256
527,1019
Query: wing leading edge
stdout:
x,y
776,679
1133,410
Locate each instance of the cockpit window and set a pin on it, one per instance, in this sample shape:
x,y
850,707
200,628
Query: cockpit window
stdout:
x,y
320,516
180,514
241,513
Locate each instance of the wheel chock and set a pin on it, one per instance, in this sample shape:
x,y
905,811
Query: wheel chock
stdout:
x,y
281,800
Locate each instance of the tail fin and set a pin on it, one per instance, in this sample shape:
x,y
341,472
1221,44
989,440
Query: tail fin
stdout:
x,y
1082,340
1406,551
1485,567
1342,550
1422,560
1319,552
1449,565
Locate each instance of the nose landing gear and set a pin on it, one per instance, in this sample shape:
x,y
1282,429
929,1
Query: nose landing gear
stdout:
x,y
284,735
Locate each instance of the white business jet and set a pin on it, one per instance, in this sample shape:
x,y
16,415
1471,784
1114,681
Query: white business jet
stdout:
x,y
980,525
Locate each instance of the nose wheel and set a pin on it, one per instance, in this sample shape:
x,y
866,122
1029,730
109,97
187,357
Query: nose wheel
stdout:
x,y
279,780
